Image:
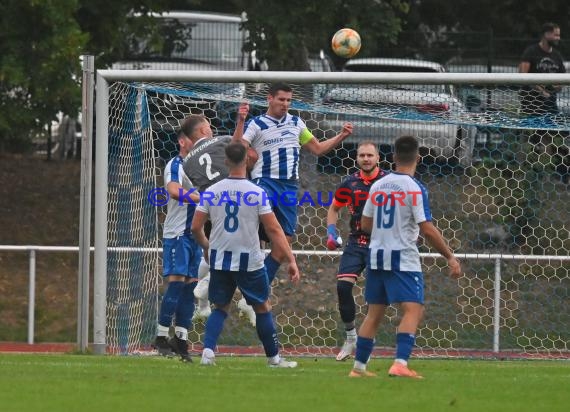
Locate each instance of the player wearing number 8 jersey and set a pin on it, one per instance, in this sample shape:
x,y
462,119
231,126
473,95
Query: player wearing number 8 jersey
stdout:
x,y
396,212
236,260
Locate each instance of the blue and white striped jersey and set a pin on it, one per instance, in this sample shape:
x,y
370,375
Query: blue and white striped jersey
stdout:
x,y
178,217
397,204
277,142
234,206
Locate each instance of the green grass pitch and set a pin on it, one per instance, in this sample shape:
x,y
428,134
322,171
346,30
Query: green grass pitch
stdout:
x,y
113,383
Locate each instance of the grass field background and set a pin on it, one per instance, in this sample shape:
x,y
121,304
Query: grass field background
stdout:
x,y
91,383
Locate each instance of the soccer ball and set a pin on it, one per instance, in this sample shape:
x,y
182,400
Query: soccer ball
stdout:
x,y
346,43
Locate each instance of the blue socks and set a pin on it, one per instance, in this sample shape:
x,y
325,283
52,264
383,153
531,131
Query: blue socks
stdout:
x,y
214,326
364,348
267,333
272,266
404,345
185,308
169,303
264,326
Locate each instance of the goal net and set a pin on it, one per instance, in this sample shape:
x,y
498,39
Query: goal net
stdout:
x,y
495,160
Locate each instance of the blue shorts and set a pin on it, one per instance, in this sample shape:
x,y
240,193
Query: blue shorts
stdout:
x,y
254,286
393,286
282,195
353,260
181,256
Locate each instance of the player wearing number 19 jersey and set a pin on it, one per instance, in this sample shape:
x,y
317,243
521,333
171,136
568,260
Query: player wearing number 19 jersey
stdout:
x,y
396,212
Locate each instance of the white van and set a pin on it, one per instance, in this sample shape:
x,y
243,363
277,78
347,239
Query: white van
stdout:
x,y
211,41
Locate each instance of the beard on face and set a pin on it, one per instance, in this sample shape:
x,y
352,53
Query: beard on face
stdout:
x,y
368,169
553,43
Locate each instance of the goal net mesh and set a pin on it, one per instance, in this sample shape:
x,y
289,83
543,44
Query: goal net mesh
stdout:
x,y
497,171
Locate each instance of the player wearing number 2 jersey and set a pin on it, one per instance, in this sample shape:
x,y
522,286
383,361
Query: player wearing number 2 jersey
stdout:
x,y
205,165
235,257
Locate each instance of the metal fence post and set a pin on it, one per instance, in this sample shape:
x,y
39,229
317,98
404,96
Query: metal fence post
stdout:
x,y
497,305
85,205
31,296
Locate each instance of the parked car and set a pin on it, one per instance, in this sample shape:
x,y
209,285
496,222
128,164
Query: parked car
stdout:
x,y
382,113
211,41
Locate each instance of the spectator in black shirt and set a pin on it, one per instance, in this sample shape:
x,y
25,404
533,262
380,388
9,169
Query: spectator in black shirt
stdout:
x,y
542,58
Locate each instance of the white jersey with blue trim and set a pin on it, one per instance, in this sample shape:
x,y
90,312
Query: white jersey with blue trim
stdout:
x,y
277,144
178,217
234,206
397,204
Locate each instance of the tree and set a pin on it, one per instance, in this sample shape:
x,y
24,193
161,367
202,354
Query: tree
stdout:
x,y
111,26
497,29
39,45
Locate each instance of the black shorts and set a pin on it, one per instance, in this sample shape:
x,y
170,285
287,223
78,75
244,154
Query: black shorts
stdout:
x,y
353,260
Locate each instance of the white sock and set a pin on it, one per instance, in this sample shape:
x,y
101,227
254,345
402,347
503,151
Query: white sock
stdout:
x,y
274,360
359,365
181,333
203,304
208,353
351,334
162,330
402,361
203,268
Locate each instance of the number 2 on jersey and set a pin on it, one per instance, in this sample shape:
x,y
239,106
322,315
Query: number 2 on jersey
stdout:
x,y
385,212
207,159
231,222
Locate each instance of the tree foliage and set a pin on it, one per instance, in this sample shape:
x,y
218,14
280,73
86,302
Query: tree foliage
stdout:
x,y
506,18
41,40
110,25
284,32
39,45
495,30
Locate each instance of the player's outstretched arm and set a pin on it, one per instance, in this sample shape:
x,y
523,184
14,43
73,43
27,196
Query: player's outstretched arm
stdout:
x,y
242,112
197,229
320,148
435,239
279,244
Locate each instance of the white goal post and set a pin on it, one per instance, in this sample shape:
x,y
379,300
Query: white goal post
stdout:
x,y
475,205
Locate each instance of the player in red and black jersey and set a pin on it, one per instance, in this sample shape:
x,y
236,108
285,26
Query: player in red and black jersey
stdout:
x,y
352,193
